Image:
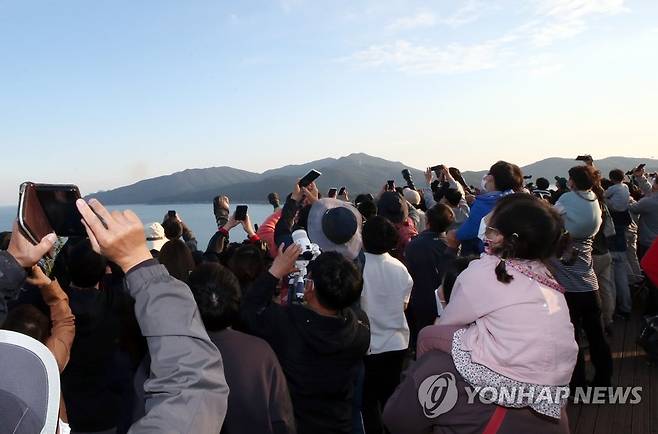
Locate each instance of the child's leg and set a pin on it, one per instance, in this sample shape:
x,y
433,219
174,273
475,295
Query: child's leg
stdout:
x,y
436,337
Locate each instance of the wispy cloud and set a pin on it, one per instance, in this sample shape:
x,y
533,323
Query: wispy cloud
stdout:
x,y
420,19
548,33
564,19
565,10
469,12
550,21
408,57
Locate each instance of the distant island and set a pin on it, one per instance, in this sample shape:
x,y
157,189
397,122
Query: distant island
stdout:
x,y
358,172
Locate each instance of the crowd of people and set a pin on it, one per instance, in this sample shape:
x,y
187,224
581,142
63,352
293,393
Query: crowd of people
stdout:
x,y
333,314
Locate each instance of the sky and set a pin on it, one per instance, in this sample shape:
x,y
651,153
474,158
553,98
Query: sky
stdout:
x,y
105,93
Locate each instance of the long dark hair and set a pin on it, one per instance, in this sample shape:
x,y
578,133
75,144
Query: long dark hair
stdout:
x,y
177,259
531,230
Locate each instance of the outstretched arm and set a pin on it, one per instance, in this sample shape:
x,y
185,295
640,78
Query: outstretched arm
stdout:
x,y
62,330
186,391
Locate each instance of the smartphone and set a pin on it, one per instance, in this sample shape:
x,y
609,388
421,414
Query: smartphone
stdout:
x,y
341,192
438,170
172,213
585,158
311,176
641,166
332,192
241,212
46,208
390,184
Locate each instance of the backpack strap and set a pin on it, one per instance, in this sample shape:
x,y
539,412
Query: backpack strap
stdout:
x,y
495,421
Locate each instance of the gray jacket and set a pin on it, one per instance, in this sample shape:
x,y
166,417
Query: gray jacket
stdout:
x,y
647,208
187,391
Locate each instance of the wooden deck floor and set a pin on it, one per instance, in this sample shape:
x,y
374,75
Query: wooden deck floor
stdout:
x,y
631,368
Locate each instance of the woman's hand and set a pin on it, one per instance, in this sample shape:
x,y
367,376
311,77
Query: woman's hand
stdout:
x,y
247,226
38,278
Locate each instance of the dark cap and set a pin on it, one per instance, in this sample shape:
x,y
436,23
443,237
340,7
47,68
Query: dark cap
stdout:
x,y
339,225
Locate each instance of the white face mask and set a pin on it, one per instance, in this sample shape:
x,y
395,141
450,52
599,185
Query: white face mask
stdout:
x,y
483,183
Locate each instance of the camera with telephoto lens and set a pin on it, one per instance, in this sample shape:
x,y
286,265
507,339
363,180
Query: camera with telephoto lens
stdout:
x,y
407,177
310,251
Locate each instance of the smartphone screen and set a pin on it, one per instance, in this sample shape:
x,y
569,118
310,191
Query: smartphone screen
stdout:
x,y
58,203
241,212
391,184
341,191
332,192
311,176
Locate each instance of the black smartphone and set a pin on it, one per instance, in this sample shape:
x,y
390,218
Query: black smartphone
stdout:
x,y
45,208
240,212
342,191
332,192
172,213
311,176
438,170
390,184
641,166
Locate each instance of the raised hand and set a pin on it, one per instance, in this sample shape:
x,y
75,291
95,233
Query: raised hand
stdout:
x,y
119,236
284,263
311,193
428,176
26,253
38,278
297,193
231,223
247,226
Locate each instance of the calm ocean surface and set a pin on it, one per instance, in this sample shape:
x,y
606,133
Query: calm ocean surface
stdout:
x,y
198,217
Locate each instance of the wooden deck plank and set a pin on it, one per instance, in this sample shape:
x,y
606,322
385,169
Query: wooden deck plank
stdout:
x,y
643,373
606,413
630,368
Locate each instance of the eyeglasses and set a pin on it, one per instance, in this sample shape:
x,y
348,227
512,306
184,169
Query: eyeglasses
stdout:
x,y
489,231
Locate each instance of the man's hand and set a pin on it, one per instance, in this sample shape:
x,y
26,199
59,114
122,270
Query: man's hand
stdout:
x,y
284,263
38,278
119,236
247,226
311,193
26,253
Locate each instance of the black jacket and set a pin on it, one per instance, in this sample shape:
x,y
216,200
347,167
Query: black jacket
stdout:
x,y
320,355
427,258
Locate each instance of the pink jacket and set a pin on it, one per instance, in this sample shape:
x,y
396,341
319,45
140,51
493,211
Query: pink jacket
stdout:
x,y
520,329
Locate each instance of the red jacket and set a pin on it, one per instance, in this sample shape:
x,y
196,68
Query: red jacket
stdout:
x,y
406,231
650,262
266,232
